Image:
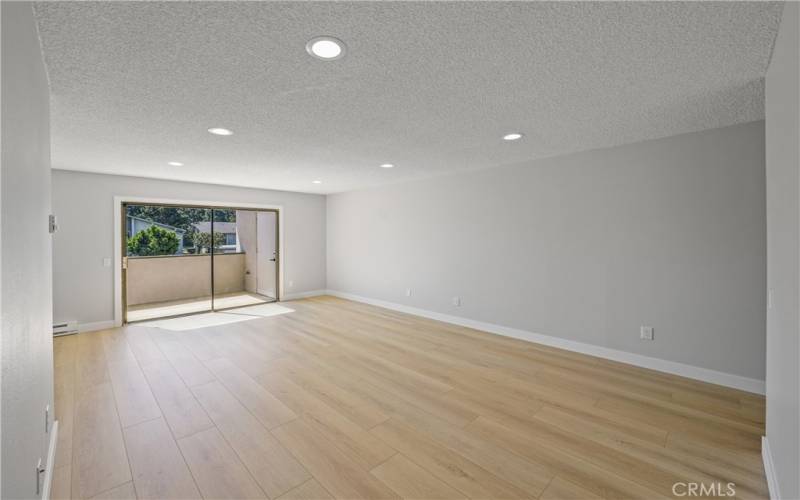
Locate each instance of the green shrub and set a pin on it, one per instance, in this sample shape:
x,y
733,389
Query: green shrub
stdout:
x,y
153,241
203,241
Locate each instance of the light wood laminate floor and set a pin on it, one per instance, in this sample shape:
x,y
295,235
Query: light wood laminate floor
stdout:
x,y
344,400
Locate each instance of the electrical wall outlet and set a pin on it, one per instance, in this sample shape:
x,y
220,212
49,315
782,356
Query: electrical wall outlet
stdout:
x,y
457,301
646,333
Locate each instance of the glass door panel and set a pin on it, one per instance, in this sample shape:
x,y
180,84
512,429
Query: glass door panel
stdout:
x,y
166,261
240,266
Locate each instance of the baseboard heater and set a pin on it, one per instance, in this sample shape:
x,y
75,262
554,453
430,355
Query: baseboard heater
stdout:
x,y
65,328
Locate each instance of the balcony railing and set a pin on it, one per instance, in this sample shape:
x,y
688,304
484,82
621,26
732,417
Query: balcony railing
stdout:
x,y
177,277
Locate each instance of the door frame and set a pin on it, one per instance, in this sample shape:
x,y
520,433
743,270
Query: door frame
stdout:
x,y
140,200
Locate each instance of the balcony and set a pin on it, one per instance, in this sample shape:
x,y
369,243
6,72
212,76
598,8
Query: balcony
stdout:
x,y
172,285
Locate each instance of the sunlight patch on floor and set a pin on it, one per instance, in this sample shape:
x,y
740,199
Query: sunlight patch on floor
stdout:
x,y
206,320
155,310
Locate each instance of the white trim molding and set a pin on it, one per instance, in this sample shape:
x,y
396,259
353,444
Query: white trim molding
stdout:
x,y
694,372
304,295
51,462
769,470
118,200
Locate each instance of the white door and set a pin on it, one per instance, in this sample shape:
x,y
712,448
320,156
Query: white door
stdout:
x,y
266,254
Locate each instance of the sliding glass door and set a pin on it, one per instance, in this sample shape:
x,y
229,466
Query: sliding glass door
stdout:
x,y
245,268
182,260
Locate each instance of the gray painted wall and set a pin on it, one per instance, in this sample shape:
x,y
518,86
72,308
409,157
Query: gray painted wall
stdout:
x,y
668,233
783,244
27,342
84,204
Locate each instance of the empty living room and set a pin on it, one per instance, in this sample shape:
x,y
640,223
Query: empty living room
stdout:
x,y
424,250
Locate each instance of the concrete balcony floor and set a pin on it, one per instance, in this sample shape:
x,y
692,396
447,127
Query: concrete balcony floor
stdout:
x,y
155,310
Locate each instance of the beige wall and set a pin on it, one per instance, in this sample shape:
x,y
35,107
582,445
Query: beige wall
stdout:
x,y
246,229
229,273
158,279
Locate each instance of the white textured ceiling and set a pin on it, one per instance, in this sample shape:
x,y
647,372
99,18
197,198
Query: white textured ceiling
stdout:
x,y
428,86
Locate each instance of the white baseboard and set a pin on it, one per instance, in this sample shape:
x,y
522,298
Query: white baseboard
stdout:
x,y
769,470
662,365
303,295
97,325
51,458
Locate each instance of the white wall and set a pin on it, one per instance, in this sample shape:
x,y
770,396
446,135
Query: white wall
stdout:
x,y
83,203
587,247
783,231
27,342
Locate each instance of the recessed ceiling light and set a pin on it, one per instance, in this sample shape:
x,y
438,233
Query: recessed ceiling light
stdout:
x,y
512,137
387,165
175,164
220,131
317,182
326,48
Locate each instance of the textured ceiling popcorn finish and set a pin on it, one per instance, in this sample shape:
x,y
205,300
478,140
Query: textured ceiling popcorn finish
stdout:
x,y
431,87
